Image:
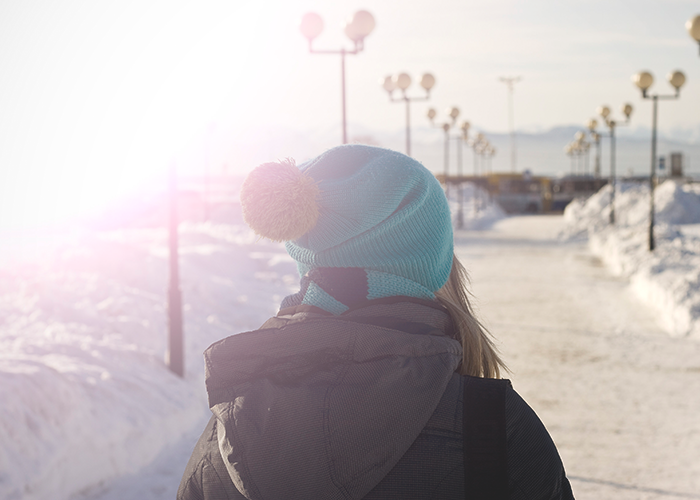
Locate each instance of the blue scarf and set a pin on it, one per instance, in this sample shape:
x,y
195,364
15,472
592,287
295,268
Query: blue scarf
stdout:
x,y
337,289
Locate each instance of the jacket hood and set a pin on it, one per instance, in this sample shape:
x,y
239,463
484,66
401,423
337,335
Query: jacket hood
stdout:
x,y
318,406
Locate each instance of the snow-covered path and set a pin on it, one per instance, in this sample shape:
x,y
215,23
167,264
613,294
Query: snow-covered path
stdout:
x,y
620,398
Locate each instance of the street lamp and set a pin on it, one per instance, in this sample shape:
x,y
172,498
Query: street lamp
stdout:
x,y
510,83
604,112
356,29
401,82
462,138
453,113
464,127
483,152
582,148
595,136
575,150
489,153
693,27
479,145
644,80
569,150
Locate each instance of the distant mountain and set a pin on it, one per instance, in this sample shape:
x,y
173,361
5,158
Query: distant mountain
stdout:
x,y
541,152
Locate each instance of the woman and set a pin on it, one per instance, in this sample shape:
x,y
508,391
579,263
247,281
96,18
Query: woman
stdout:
x,y
358,387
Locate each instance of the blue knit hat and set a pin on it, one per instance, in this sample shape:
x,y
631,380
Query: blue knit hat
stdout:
x,y
355,206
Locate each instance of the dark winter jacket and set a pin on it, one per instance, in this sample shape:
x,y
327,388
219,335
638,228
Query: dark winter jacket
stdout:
x,y
362,405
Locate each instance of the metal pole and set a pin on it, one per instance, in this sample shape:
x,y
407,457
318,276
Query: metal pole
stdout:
x,y
597,156
482,171
573,163
206,184
612,172
510,83
460,187
652,176
447,157
342,84
475,183
579,162
512,127
174,357
408,126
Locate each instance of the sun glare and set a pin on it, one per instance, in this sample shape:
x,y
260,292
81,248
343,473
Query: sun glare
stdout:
x,y
99,99
126,103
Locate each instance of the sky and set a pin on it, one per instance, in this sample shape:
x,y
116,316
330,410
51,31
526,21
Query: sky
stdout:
x,y
98,97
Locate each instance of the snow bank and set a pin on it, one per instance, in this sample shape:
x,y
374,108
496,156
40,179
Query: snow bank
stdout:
x,y
667,279
478,209
84,392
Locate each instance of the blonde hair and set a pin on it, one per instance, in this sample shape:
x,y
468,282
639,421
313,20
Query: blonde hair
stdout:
x,y
480,356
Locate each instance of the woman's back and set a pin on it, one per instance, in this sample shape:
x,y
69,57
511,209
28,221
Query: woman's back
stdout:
x,y
364,405
355,390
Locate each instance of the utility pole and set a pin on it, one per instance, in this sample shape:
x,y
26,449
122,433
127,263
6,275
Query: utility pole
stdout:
x,y
510,82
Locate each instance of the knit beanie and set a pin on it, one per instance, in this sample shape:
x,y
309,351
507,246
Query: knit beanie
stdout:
x,y
356,206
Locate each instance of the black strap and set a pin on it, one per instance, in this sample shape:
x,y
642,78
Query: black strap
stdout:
x,y
485,445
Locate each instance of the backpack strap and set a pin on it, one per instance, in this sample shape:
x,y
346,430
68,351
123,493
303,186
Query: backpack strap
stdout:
x,y
485,444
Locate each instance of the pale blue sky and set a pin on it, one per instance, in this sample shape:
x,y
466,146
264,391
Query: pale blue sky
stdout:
x,y
97,95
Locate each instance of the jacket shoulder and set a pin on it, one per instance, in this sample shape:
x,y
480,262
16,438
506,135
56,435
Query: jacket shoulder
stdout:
x,y
535,469
434,468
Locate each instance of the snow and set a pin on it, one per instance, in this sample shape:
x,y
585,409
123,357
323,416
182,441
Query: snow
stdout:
x,y
89,411
478,209
616,392
667,279
85,392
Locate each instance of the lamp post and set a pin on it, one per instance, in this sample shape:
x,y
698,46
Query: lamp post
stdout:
x,y
461,139
478,143
510,82
693,27
174,356
604,112
575,150
595,136
453,113
489,153
582,147
481,149
569,150
644,80
402,81
357,28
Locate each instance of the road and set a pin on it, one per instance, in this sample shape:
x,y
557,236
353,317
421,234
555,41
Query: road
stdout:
x,y
619,396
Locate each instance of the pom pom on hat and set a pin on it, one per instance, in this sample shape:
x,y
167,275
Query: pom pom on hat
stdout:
x,y
279,201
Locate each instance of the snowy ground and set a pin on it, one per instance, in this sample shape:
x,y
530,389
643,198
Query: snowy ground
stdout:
x,y
88,409
668,279
617,393
84,392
